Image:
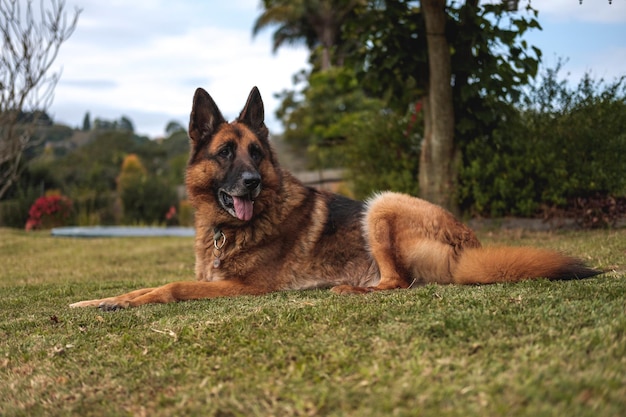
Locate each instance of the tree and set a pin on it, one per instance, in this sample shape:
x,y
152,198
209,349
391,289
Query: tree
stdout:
x,y
87,122
314,22
126,124
30,44
173,127
461,63
144,198
316,122
132,170
464,63
437,173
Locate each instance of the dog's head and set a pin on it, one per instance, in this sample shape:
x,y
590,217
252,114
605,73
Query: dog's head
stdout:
x,y
231,164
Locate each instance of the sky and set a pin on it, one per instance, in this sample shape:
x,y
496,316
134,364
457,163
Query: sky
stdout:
x,y
143,59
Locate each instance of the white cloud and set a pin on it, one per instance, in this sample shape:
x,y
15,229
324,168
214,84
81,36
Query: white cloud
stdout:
x,y
149,66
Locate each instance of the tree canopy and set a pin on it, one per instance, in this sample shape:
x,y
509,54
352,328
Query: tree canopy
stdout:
x,y
463,76
316,23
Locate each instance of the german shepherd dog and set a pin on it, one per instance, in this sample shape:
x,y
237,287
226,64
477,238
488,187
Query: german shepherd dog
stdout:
x,y
260,230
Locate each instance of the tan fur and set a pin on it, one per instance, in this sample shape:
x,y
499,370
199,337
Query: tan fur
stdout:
x,y
508,264
410,237
288,236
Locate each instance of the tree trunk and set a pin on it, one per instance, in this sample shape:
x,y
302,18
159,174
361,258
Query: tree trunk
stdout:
x,y
438,173
326,34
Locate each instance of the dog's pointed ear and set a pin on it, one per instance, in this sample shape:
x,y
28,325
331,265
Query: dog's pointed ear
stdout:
x,y
253,114
205,116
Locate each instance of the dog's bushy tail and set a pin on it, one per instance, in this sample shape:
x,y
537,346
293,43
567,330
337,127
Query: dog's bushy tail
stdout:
x,y
512,264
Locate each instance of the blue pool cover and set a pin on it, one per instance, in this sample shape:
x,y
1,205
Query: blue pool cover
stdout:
x,y
122,231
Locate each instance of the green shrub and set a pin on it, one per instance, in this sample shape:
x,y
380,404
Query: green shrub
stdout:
x,y
14,211
563,144
315,118
95,207
185,213
146,199
381,152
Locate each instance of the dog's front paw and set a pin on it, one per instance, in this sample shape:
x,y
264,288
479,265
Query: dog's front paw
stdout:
x,y
113,304
86,303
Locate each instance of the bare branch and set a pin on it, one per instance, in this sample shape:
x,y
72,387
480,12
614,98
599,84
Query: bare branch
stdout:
x,y
30,45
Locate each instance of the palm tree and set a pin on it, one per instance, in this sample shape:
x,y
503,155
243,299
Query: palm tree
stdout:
x,y
316,23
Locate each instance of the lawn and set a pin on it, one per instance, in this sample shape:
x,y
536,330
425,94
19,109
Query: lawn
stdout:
x,y
529,349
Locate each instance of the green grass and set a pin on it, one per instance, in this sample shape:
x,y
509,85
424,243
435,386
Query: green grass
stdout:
x,y
534,348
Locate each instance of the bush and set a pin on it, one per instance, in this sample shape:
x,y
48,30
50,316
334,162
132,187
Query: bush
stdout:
x,y
48,212
95,207
314,118
381,152
186,213
564,144
146,199
500,174
14,212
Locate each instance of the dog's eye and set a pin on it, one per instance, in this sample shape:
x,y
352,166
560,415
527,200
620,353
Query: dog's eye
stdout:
x,y
255,153
225,152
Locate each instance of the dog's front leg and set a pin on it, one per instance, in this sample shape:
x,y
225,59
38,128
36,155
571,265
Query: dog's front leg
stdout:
x,y
176,291
99,301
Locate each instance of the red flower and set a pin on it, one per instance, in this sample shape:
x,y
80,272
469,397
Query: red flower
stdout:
x,y
171,213
49,211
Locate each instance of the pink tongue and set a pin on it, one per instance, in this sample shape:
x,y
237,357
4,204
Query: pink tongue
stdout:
x,y
243,208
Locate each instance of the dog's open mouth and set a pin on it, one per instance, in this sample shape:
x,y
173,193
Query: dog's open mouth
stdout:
x,y
238,206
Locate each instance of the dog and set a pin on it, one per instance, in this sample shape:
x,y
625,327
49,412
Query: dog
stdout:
x,y
260,230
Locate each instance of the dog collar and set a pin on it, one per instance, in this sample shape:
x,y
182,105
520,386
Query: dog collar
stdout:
x,y
219,240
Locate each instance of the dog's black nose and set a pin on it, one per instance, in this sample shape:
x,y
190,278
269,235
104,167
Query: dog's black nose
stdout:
x,y
251,180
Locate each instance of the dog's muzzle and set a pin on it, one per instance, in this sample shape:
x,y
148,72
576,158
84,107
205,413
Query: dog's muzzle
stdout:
x,y
239,201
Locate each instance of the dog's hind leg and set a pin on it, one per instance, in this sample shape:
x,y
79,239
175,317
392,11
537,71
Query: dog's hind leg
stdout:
x,y
412,241
384,249
380,228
